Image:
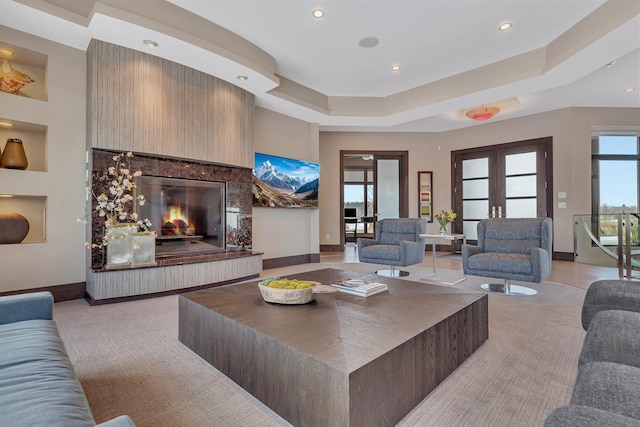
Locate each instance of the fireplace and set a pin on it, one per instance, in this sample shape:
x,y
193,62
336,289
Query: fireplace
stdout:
x,y
218,195
187,215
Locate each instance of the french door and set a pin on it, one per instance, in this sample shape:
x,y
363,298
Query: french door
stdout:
x,y
502,181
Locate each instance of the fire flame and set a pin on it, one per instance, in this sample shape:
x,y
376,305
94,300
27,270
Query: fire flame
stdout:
x,y
175,221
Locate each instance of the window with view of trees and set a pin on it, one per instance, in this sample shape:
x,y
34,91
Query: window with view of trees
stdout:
x,y
615,165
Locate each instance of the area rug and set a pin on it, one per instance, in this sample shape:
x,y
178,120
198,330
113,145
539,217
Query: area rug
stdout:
x,y
129,361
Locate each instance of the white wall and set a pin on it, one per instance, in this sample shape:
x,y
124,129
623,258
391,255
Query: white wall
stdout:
x,y
570,129
61,259
279,232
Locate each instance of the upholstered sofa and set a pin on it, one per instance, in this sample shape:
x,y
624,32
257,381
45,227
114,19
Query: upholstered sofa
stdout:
x,y
510,249
38,386
397,243
607,388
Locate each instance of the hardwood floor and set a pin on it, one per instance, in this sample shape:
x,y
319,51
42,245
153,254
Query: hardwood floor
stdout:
x,y
567,272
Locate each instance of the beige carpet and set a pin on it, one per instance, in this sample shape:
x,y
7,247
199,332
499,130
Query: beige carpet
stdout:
x,y
129,361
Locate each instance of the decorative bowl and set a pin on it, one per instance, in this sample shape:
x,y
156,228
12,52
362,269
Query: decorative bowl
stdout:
x,y
293,296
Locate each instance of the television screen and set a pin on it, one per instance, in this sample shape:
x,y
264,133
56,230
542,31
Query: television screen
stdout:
x,y
280,182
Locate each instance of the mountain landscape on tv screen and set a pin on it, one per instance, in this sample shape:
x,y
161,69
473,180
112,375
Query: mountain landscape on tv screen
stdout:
x,y
274,188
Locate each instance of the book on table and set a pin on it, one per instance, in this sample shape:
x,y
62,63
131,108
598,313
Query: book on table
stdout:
x,y
360,287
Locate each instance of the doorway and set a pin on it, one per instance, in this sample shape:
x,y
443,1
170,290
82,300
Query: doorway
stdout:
x,y
511,180
374,183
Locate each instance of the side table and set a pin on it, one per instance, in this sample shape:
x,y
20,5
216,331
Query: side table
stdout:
x,y
451,237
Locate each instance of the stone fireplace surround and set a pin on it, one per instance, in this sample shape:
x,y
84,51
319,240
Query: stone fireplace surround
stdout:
x,y
176,272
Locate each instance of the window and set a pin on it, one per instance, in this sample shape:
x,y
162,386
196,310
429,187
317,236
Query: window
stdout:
x,y
358,194
615,165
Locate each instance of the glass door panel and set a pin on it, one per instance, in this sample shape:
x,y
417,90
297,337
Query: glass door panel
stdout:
x,y
475,168
522,163
475,194
521,208
388,186
520,185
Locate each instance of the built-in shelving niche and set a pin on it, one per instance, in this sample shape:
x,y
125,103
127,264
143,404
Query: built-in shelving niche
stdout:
x,y
33,208
31,63
34,141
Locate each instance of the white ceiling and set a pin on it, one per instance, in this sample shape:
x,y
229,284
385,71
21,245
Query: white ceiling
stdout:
x,y
453,58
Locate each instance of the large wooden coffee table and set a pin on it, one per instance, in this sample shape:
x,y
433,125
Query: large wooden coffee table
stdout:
x,y
341,360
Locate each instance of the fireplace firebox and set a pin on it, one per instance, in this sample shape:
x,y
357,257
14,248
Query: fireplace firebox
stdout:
x,y
187,215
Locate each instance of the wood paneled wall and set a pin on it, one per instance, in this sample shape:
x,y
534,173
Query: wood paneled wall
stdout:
x,y
142,103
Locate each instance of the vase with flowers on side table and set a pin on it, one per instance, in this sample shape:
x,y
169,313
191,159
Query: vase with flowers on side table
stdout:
x,y
444,218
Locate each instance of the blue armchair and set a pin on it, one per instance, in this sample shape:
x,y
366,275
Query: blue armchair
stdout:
x,y
511,249
397,244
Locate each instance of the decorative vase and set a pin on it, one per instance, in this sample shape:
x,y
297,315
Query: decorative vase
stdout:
x,y
14,156
12,80
144,249
13,227
443,229
130,248
119,249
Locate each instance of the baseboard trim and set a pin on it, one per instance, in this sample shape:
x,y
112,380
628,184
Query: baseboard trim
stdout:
x,y
331,248
60,293
268,264
563,256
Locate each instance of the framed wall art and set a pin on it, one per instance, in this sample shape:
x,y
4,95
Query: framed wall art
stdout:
x,y
425,194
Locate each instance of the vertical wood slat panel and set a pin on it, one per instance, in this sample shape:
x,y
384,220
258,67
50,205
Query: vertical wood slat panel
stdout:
x,y
146,104
130,282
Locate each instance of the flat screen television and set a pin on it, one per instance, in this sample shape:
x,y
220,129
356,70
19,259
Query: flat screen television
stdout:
x,y
280,182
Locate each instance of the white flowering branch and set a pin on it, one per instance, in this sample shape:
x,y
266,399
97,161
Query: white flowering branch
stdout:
x,y
116,204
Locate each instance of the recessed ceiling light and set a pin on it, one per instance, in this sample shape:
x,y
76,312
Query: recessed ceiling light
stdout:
x,y
395,68
6,52
318,13
243,78
150,43
630,89
506,26
6,124
611,64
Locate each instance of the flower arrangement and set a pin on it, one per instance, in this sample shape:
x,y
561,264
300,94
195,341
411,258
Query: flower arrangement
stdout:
x,y
116,203
445,218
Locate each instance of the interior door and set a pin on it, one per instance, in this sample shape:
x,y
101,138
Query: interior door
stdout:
x,y
385,194
505,181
